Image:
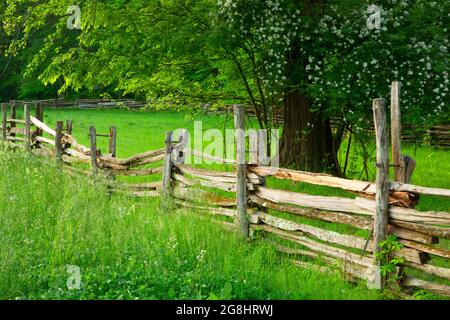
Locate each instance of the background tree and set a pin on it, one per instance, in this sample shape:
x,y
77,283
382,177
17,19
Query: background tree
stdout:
x,y
313,59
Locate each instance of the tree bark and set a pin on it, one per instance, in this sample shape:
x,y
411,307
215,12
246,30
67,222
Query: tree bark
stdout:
x,y
307,140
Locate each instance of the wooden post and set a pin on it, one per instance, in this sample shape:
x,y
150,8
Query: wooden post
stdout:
x,y
26,112
40,111
382,181
112,141
409,164
396,130
40,116
262,155
241,183
69,126
93,141
13,115
403,165
4,119
167,171
58,141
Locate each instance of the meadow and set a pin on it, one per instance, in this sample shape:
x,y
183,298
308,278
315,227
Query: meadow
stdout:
x,y
130,249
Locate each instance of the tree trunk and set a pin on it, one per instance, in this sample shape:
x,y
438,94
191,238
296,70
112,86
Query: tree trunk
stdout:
x,y
307,140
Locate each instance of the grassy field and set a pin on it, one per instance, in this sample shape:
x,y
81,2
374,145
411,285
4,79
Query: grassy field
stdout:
x,y
129,249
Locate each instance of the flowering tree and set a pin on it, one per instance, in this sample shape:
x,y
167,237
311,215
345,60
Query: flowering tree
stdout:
x,y
313,59
331,58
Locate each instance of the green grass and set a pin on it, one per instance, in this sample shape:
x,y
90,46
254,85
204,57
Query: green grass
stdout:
x,y
124,246
129,249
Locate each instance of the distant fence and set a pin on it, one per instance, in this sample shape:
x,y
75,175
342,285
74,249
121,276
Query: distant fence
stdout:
x,y
84,103
380,208
437,135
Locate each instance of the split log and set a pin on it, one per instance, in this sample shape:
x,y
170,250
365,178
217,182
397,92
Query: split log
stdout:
x,y
191,194
317,246
229,187
407,234
77,154
15,121
365,189
440,232
329,216
409,215
39,124
430,269
337,238
397,186
136,172
357,206
68,139
352,220
134,160
345,184
69,159
45,140
441,252
439,289
222,176
110,165
200,154
148,160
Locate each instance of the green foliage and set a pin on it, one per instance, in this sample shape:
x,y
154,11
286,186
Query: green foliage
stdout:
x,y
387,248
240,50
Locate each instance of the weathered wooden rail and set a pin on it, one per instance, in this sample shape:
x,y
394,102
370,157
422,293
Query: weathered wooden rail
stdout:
x,y
244,199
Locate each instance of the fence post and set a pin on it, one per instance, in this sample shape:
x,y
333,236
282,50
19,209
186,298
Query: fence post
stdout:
x,y
93,141
13,116
403,165
26,112
167,161
112,141
58,142
167,172
69,126
263,153
241,183
4,119
382,185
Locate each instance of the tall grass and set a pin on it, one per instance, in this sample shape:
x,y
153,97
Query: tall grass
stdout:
x,y
128,249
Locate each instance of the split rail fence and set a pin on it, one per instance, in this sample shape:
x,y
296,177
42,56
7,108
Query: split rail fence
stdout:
x,y
378,208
